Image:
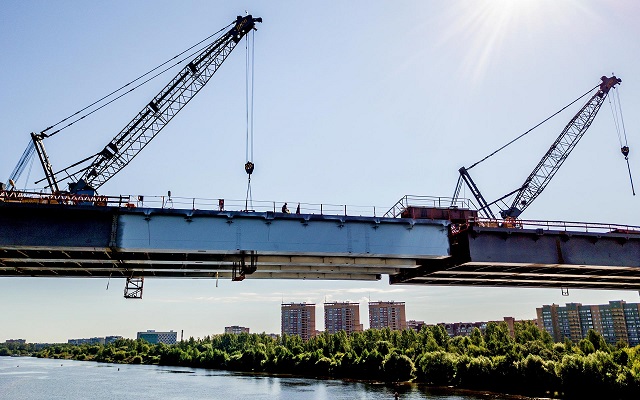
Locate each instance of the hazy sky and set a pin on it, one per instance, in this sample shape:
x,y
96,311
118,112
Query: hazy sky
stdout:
x,y
356,103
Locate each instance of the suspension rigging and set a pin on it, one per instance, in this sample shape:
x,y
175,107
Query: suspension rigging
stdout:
x,y
616,110
249,166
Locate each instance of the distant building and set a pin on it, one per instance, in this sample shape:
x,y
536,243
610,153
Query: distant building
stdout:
x,y
111,339
235,329
299,319
387,314
93,340
15,341
616,321
154,337
462,328
415,325
342,317
466,328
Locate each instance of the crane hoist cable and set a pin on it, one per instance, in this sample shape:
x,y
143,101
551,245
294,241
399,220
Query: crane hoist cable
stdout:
x,y
249,166
618,120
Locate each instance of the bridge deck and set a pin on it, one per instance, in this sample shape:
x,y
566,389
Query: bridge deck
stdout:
x,y
39,240
88,241
520,257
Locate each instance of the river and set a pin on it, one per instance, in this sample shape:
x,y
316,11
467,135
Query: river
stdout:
x,y
25,378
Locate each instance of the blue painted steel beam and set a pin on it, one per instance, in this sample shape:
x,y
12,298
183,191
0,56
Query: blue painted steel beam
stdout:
x,y
515,257
89,241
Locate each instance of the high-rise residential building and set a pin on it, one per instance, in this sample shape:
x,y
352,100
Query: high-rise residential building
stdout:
x,y
387,314
299,319
154,337
235,329
616,321
342,317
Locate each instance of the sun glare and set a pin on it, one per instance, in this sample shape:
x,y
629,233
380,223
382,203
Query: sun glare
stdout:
x,y
481,30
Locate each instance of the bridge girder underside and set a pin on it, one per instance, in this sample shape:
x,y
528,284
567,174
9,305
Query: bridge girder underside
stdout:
x,y
504,257
101,263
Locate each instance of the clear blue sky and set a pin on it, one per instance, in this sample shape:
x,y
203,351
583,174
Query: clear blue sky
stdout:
x,y
356,103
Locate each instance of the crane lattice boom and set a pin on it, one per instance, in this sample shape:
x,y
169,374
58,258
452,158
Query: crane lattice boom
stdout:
x,y
559,150
156,114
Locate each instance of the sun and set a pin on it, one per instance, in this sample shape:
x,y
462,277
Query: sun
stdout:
x,y
483,30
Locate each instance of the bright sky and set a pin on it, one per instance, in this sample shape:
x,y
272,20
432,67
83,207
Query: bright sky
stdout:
x,y
356,103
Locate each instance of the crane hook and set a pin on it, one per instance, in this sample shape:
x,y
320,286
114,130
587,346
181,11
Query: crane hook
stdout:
x,y
625,152
248,167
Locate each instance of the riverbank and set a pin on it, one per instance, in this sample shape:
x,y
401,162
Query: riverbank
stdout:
x,y
528,364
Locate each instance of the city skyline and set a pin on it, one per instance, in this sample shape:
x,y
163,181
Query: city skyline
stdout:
x,y
356,103
546,318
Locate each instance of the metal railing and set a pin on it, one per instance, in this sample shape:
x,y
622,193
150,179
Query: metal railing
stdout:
x,y
195,203
426,201
189,203
12,196
562,226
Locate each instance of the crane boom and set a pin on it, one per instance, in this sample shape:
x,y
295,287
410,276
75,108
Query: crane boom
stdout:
x,y
559,150
153,117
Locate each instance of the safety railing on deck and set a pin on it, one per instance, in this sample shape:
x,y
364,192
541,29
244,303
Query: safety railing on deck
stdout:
x,y
67,199
189,203
562,226
426,201
195,203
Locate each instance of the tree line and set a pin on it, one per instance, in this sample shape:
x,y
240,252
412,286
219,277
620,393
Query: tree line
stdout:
x,y
529,363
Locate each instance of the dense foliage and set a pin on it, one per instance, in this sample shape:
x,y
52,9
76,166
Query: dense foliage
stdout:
x,y
529,363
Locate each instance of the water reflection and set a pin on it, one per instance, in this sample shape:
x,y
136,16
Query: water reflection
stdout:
x,y
31,378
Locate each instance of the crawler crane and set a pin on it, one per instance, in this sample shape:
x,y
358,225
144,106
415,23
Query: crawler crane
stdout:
x,y
88,174
542,174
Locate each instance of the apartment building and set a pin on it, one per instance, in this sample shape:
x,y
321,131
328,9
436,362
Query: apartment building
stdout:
x,y
235,329
387,314
154,337
342,317
616,321
298,319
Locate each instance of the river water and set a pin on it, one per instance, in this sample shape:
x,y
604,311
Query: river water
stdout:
x,y
24,378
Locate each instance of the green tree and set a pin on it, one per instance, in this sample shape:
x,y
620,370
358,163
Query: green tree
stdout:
x,y
437,368
398,367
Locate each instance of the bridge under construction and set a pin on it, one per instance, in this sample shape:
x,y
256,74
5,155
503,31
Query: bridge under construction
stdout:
x,y
73,232
76,236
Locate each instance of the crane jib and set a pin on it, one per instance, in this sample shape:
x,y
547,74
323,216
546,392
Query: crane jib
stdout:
x,y
542,174
153,117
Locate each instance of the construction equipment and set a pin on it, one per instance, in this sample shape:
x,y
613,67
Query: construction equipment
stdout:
x,y
87,175
549,164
